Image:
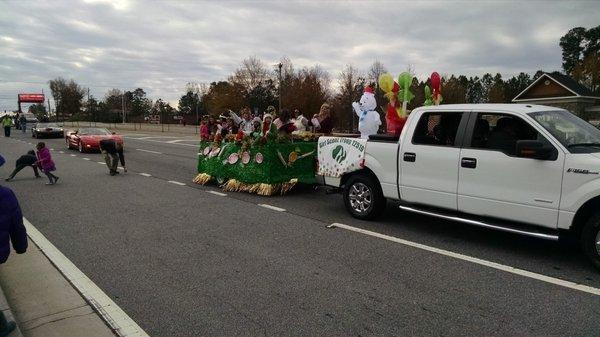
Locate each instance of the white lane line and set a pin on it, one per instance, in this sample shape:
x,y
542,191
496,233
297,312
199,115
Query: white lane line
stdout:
x,y
51,149
73,155
176,182
86,159
145,174
110,312
101,163
217,193
149,151
61,151
490,264
275,208
158,141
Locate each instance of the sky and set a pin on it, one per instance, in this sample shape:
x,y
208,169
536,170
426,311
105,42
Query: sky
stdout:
x,y
162,45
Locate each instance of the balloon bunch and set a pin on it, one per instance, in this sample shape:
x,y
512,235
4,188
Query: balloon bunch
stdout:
x,y
395,115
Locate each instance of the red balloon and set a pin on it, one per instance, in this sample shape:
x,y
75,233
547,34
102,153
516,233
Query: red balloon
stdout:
x,y
436,83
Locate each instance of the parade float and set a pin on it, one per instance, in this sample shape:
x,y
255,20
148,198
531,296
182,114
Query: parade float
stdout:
x,y
266,163
268,167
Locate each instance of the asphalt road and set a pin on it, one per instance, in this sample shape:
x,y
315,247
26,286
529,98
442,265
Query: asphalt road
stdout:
x,y
185,262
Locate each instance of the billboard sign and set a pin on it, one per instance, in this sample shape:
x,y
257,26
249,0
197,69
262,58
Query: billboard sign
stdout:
x,y
31,98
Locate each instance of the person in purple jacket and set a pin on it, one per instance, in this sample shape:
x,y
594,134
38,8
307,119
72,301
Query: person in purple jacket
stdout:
x,y
45,162
11,229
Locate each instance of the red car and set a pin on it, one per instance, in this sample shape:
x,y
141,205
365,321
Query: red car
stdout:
x,y
88,139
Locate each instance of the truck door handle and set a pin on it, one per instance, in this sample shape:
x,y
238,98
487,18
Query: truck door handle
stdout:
x,y
468,163
410,157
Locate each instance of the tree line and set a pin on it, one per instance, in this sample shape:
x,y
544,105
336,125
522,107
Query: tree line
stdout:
x,y
257,85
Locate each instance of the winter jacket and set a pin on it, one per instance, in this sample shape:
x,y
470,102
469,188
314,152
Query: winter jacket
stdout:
x,y
11,225
110,146
45,160
7,121
27,159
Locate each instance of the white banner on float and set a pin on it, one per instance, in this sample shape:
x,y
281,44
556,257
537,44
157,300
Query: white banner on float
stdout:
x,y
339,155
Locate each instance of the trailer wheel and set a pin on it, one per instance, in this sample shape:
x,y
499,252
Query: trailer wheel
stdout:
x,y
590,239
363,197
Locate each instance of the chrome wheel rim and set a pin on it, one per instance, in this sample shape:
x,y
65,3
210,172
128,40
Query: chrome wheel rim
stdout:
x,y
80,147
360,198
598,242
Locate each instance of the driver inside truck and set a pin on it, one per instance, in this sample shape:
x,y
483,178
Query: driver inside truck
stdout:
x,y
504,136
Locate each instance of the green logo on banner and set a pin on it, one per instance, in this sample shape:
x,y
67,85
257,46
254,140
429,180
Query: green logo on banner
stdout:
x,y
339,154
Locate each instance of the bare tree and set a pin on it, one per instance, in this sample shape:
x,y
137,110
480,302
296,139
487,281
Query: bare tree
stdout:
x,y
351,84
251,73
376,69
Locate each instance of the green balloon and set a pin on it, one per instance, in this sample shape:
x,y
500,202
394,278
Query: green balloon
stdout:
x,y
405,80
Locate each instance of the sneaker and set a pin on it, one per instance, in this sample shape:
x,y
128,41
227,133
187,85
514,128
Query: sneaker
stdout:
x,y
51,183
7,179
56,179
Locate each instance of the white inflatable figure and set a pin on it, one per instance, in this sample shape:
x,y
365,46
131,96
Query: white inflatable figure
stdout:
x,y
368,119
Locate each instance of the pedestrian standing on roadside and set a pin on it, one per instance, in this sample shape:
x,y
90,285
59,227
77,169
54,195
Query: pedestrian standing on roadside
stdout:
x,y
113,153
7,124
45,163
23,123
25,160
11,229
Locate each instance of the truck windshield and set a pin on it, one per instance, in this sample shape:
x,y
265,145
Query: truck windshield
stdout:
x,y
577,135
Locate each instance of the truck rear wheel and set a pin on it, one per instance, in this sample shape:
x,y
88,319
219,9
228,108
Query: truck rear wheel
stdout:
x,y
590,239
363,197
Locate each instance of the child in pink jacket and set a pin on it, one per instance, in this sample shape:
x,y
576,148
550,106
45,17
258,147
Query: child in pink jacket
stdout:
x,y
45,163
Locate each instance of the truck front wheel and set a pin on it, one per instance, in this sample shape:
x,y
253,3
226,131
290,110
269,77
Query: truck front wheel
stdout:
x,y
363,197
590,239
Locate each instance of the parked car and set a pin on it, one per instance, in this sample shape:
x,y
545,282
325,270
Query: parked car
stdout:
x,y
88,139
47,130
526,169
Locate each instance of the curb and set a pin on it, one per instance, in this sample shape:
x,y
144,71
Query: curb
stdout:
x,y
8,314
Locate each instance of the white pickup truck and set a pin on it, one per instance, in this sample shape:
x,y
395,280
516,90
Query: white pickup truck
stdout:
x,y
527,169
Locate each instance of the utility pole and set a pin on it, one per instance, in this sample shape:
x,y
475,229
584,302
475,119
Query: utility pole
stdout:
x,y
197,118
280,65
49,109
89,107
123,105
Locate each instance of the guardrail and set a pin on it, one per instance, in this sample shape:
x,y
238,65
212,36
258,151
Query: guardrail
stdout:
x,y
140,127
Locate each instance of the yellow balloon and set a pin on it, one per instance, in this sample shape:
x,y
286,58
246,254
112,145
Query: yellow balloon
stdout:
x,y
386,82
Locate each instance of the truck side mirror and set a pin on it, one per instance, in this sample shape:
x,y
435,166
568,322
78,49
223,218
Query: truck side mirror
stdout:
x,y
536,150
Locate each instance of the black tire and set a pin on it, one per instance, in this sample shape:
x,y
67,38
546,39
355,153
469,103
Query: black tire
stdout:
x,y
363,197
590,239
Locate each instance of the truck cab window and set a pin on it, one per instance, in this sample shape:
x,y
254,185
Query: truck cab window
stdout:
x,y
437,129
500,132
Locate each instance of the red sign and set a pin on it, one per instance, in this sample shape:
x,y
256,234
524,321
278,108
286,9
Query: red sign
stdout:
x,y
31,98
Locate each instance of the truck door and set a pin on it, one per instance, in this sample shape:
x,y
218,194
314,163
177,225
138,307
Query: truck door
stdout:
x,y
428,160
496,181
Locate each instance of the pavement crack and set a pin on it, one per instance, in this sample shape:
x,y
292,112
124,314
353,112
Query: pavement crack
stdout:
x,y
54,313
58,320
